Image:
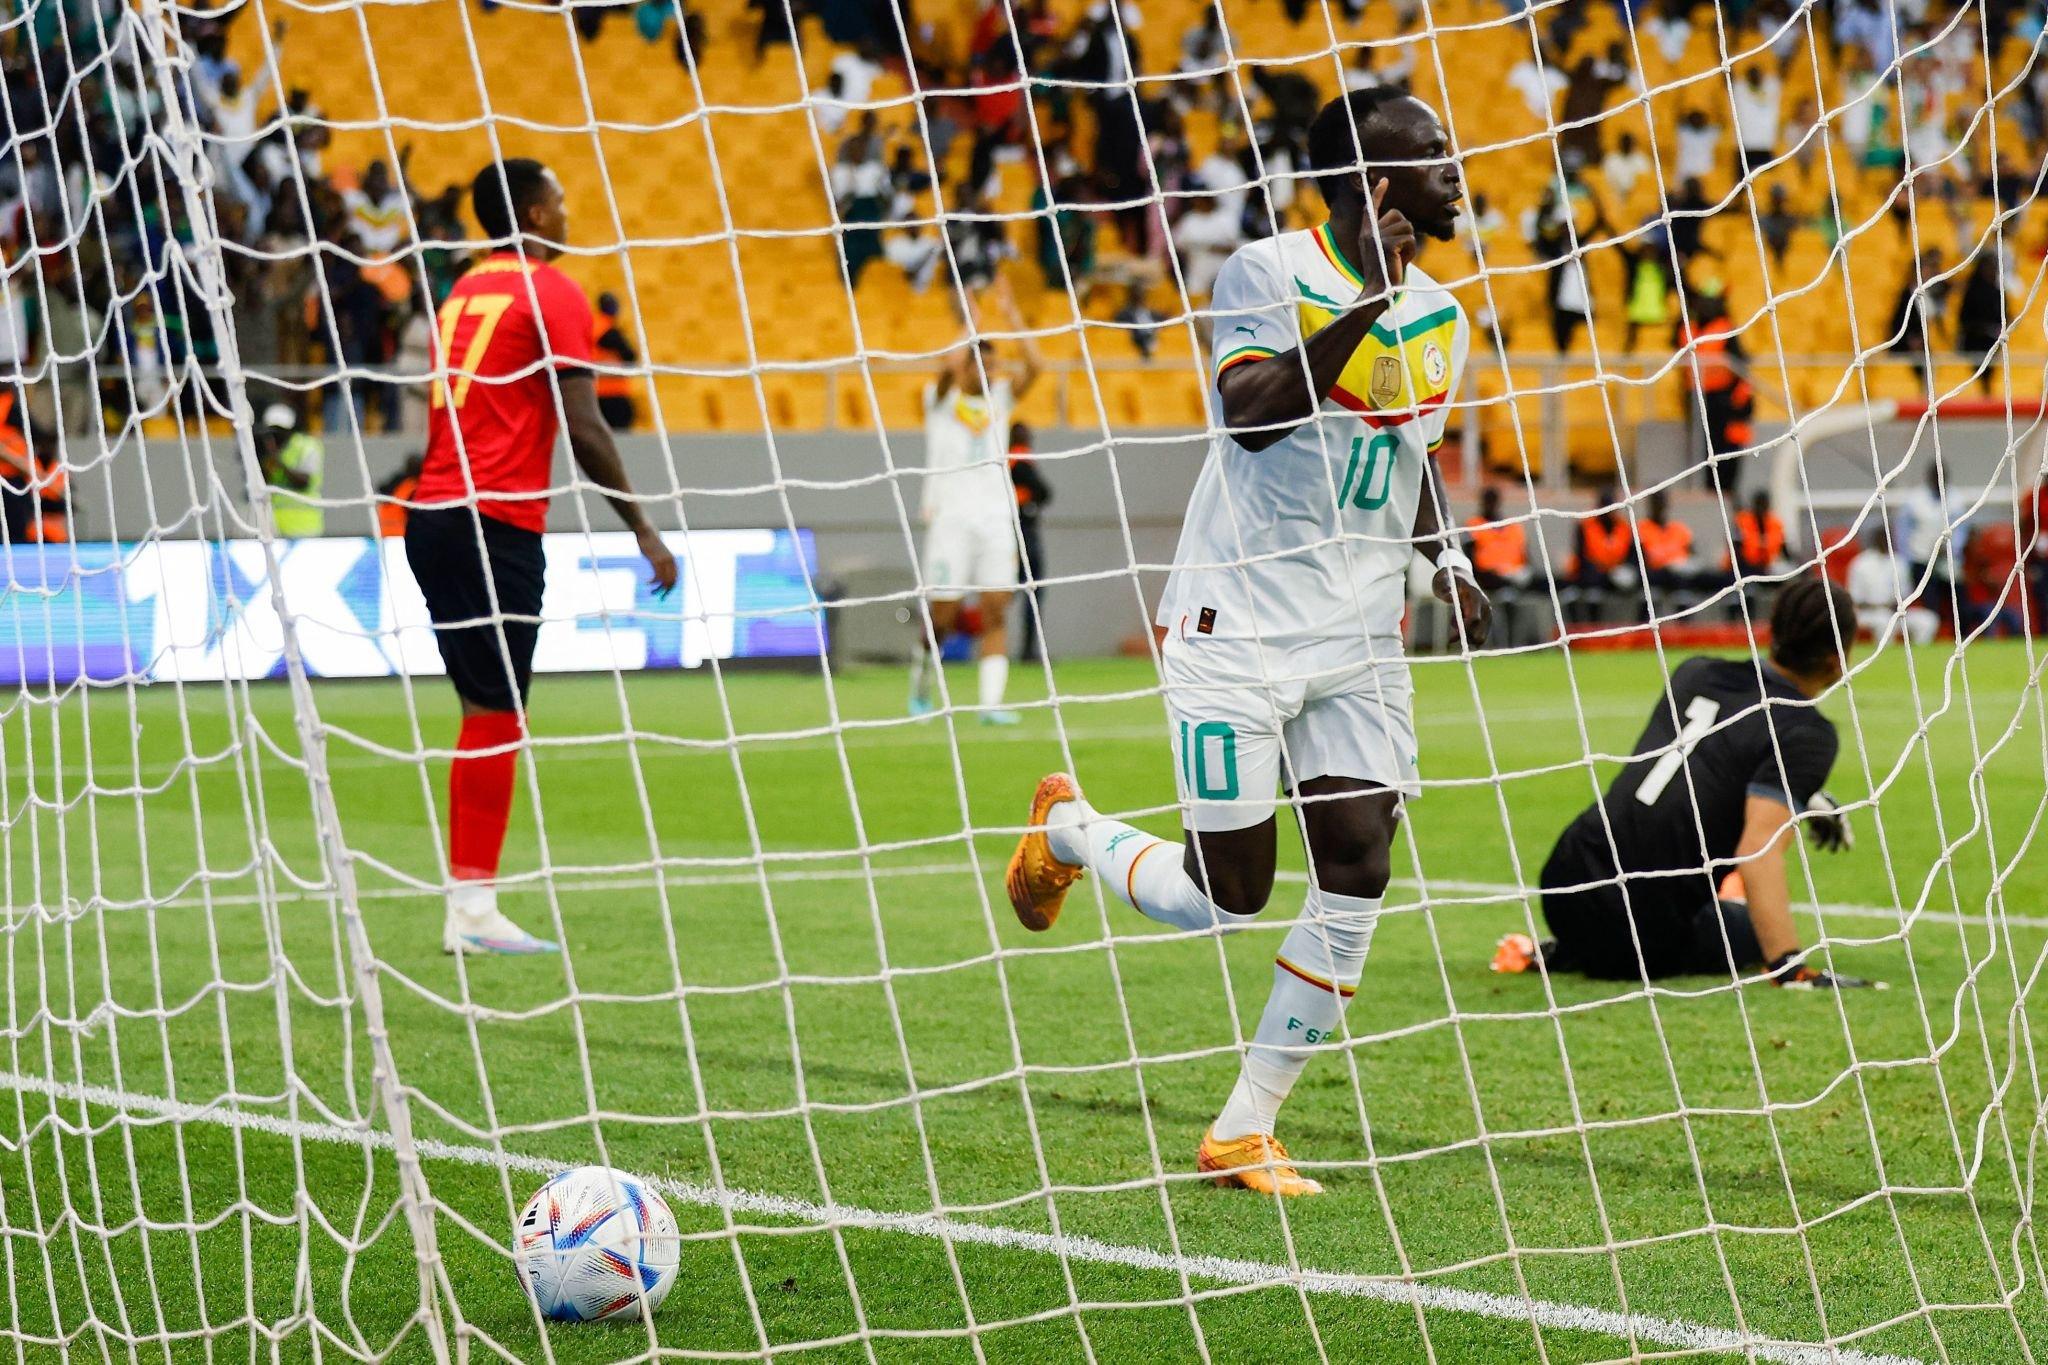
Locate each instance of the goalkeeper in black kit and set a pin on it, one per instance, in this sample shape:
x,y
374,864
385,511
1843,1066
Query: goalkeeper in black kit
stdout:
x,y
1731,763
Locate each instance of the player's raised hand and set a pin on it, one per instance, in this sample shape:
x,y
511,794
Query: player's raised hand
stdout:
x,y
663,564
1386,243
1474,612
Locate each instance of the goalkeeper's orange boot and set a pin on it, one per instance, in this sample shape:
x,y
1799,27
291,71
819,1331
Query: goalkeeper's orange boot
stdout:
x,y
1255,1162
1036,880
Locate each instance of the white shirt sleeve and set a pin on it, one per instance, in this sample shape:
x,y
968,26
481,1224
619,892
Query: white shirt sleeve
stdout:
x,y
1437,418
1002,403
1254,317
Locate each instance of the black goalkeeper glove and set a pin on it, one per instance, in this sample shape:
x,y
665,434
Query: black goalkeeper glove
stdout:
x,y
1827,824
1798,976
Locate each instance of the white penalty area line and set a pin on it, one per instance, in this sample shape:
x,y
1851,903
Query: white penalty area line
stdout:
x,y
1675,1333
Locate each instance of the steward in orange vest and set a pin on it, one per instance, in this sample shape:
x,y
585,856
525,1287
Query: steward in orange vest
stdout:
x,y
33,485
1500,548
1600,554
1719,370
394,493
608,340
1666,541
1759,537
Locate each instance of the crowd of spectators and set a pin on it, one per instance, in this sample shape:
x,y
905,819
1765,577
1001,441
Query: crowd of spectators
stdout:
x,y
1135,184
105,297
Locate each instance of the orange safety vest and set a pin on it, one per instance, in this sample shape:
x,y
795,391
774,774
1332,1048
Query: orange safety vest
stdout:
x,y
608,385
1606,546
1664,543
1710,347
1760,546
43,480
1499,550
391,515
13,440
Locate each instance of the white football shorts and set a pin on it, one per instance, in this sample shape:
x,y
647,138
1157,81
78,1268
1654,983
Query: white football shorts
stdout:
x,y
1251,717
963,556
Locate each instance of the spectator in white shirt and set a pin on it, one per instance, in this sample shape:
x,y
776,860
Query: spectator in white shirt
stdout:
x,y
1222,174
376,210
1205,237
1623,166
1881,588
1538,81
1759,118
234,114
857,71
1929,529
1201,47
848,85
1671,30
1865,25
1697,141
1803,135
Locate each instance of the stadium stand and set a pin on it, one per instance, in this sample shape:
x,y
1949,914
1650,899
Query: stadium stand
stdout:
x,y
710,303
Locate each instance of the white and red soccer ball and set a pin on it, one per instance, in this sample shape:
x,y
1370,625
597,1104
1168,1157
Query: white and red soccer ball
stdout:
x,y
595,1243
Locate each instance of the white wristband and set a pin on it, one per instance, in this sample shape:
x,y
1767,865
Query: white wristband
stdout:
x,y
1454,558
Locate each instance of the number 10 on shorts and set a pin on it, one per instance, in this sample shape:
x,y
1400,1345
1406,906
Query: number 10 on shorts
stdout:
x,y
1208,760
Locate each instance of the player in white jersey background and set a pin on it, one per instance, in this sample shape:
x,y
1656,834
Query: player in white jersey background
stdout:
x,y
969,510
1335,362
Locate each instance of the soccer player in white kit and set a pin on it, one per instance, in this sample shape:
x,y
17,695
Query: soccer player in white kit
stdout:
x,y
969,510
1335,362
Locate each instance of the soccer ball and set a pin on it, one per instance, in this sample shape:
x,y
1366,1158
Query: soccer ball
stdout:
x,y
593,1244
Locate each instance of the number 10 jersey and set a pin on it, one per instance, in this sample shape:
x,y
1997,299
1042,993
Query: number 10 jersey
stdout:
x,y
1311,537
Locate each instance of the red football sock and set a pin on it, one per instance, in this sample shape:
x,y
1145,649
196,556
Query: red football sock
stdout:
x,y
480,793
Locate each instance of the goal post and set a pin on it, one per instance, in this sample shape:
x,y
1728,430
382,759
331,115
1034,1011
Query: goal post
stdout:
x,y
248,1103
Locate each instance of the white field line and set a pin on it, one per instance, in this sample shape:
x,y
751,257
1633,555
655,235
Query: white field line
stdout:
x,y
1669,1332
1440,886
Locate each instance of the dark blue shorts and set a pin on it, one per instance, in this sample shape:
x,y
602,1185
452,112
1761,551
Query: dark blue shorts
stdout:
x,y
482,580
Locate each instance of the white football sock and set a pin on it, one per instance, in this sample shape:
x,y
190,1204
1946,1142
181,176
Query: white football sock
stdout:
x,y
1314,977
995,676
920,674
1143,869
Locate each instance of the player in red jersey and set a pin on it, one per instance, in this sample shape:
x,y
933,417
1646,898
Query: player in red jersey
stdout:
x,y
512,367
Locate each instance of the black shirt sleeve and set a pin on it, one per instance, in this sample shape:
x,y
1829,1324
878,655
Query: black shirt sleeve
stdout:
x,y
1808,751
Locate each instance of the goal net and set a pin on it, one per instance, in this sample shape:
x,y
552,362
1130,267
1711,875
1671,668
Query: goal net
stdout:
x,y
1753,294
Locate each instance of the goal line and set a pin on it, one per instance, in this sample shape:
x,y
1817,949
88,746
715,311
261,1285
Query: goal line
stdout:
x,y
1231,1273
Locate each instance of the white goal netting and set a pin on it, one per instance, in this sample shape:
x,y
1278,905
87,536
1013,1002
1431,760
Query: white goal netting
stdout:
x,y
1754,294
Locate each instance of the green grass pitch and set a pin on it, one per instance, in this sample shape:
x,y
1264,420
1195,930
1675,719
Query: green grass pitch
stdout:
x,y
791,968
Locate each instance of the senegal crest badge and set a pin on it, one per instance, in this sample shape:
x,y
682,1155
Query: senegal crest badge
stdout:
x,y
1434,367
1385,387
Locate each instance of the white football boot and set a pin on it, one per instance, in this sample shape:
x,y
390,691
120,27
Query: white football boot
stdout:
x,y
474,924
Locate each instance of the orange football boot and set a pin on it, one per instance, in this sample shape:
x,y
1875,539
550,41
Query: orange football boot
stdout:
x,y
1036,880
1255,1162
